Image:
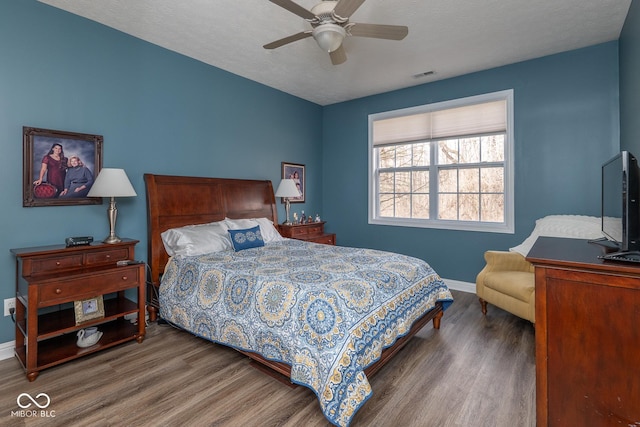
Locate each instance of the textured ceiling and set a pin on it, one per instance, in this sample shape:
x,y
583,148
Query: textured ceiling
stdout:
x,y
448,37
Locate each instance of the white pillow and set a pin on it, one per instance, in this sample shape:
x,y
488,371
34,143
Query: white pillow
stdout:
x,y
267,229
197,239
569,226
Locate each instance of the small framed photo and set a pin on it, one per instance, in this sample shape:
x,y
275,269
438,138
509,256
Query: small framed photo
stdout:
x,y
296,172
89,309
59,167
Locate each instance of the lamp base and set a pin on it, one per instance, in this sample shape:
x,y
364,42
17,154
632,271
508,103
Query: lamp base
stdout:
x,y
287,205
112,213
112,239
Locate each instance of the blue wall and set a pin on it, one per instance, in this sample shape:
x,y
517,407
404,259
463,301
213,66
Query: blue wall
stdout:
x,y
158,111
566,125
630,82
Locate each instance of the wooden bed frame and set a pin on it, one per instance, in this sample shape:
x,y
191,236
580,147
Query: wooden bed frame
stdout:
x,y
176,201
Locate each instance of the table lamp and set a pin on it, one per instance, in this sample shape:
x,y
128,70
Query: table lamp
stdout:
x,y
286,190
112,183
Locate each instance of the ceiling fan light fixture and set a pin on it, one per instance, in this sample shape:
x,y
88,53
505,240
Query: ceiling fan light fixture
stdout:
x,y
329,36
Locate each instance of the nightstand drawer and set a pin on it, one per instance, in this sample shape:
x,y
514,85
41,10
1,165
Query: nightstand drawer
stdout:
x,y
311,232
45,260
327,239
314,229
302,231
106,257
88,285
49,264
299,231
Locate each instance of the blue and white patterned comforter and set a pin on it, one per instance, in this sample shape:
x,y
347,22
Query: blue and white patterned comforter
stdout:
x,y
327,311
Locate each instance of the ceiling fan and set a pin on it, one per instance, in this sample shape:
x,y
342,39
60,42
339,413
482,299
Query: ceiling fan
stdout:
x,y
330,25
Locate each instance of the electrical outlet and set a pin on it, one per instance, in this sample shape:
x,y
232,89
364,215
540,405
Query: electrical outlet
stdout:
x,y
9,303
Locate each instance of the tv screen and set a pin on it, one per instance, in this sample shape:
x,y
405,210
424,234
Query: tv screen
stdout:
x,y
620,191
612,182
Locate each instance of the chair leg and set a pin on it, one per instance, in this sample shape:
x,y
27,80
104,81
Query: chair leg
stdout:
x,y
483,305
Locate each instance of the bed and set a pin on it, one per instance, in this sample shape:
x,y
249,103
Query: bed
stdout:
x,y
326,317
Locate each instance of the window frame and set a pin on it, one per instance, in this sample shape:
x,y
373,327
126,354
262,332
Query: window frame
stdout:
x,y
508,226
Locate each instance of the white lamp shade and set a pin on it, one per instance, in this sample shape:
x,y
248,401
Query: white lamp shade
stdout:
x,y
287,188
112,183
329,36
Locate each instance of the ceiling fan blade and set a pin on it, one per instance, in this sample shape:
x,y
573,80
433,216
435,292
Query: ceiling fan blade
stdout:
x,y
294,8
389,32
338,56
290,39
345,8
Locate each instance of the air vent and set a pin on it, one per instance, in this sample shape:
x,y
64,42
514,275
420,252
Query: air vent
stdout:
x,y
426,73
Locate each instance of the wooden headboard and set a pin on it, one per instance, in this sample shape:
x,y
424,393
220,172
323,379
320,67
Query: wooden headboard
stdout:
x,y
176,201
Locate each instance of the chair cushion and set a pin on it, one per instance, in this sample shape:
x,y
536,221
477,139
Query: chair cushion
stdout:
x,y
518,284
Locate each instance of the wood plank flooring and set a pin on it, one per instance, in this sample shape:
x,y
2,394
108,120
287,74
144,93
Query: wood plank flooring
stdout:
x,y
474,371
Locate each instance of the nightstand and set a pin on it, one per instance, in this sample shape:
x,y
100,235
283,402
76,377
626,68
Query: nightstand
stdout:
x,y
49,279
311,232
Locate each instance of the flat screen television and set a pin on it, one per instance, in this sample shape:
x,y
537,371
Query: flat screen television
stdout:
x,y
620,207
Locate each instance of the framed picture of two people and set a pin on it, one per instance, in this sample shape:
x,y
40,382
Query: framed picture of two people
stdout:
x,y
59,167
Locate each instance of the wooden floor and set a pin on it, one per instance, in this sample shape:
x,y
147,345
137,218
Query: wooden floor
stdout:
x,y
474,371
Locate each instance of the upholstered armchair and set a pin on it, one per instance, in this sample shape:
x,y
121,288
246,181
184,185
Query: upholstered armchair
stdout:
x,y
507,281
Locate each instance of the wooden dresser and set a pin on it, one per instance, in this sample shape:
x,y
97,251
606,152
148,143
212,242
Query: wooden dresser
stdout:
x,y
49,279
312,232
587,336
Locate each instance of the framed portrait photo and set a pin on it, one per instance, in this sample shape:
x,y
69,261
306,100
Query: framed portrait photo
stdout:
x,y
296,172
59,167
88,309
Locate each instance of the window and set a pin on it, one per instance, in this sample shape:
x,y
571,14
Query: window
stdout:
x,y
445,165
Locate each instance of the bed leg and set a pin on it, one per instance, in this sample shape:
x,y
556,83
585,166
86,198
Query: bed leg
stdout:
x,y
153,313
436,320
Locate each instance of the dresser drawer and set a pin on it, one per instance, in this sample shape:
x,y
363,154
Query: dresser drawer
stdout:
x,y
82,286
52,264
107,257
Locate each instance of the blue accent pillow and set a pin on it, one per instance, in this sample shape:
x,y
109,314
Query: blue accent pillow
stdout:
x,y
245,239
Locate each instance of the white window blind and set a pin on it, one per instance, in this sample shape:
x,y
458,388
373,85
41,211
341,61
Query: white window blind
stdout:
x,y
489,117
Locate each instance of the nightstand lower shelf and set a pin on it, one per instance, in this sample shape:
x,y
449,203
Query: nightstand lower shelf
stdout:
x,y
61,349
63,321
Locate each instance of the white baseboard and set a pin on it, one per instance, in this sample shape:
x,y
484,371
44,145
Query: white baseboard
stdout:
x,y
457,285
6,350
